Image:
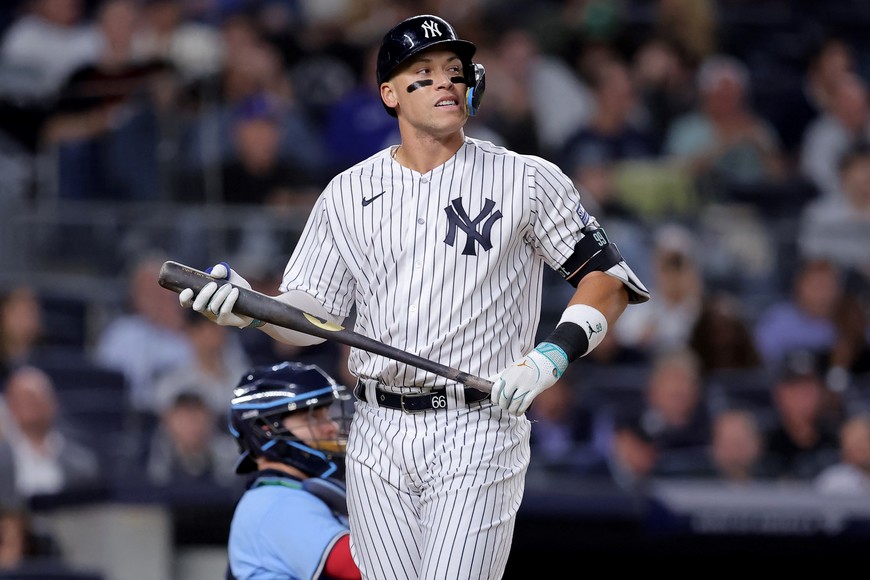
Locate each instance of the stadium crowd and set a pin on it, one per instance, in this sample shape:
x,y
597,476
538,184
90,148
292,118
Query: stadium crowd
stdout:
x,y
723,144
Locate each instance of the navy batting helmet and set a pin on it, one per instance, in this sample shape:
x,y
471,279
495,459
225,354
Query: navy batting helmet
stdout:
x,y
265,396
416,34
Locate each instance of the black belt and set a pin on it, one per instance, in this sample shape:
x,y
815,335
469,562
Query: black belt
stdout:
x,y
416,402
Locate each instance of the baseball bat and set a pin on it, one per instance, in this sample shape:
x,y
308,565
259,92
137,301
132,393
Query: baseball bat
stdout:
x,y
176,277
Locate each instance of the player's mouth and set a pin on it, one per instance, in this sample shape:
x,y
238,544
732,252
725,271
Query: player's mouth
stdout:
x,y
447,103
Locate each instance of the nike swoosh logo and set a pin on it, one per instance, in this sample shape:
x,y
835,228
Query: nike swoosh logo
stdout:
x,y
365,201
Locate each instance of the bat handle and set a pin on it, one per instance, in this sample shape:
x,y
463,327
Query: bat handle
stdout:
x,y
476,382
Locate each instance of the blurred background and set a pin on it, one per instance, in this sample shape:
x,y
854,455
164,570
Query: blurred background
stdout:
x,y
723,144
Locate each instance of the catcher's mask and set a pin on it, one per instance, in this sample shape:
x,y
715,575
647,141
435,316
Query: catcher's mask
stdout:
x,y
319,413
422,32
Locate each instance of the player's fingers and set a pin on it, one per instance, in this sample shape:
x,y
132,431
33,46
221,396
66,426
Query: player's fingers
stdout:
x,y
523,403
219,271
202,299
229,302
495,393
517,401
508,390
185,298
219,297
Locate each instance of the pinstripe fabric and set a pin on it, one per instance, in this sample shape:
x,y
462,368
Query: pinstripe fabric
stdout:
x,y
447,265
437,493
412,290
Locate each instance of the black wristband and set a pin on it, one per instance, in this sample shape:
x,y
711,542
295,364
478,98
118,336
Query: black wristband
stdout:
x,y
571,338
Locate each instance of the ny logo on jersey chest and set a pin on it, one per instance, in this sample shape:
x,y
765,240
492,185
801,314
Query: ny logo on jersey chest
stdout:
x,y
458,218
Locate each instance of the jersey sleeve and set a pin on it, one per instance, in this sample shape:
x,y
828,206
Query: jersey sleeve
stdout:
x,y
559,219
317,265
558,213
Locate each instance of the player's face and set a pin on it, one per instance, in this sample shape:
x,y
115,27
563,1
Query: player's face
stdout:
x,y
313,426
430,92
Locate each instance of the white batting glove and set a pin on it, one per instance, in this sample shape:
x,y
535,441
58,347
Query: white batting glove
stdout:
x,y
516,387
217,304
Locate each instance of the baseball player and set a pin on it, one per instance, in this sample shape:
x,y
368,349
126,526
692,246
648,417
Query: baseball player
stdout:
x,y
291,522
440,243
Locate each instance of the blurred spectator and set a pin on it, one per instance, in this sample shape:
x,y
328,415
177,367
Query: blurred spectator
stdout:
x,y
724,142
13,537
257,173
219,360
690,25
829,59
838,228
737,448
803,319
675,411
535,100
252,68
561,429
195,49
20,328
147,339
631,454
17,139
106,123
48,42
188,447
356,127
582,32
47,460
803,440
832,58
836,129
614,132
850,353
722,336
741,249
851,475
665,83
666,321
592,156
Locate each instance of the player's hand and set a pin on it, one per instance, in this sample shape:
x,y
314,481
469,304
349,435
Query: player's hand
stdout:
x,y
217,303
516,387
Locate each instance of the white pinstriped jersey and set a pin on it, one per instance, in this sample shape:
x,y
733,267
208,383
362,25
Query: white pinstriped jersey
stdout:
x,y
447,265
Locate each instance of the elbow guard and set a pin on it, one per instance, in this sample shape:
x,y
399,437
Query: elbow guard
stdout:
x,y
594,252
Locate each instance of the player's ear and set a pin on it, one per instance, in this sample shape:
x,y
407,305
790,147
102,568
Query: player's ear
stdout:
x,y
388,95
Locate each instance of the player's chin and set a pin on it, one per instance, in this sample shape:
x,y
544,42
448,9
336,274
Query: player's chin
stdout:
x,y
450,120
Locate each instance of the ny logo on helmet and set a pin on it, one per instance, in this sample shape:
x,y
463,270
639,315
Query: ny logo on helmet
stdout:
x,y
430,27
458,218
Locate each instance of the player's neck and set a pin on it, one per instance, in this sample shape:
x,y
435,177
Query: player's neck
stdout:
x,y
424,154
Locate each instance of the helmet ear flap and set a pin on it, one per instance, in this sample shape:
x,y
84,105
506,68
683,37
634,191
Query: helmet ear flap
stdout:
x,y
476,86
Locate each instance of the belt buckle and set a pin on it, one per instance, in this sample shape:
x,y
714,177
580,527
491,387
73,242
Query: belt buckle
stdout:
x,y
407,410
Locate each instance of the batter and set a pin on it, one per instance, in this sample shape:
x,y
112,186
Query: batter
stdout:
x,y
440,244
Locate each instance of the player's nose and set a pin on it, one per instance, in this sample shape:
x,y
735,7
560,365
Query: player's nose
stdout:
x,y
444,80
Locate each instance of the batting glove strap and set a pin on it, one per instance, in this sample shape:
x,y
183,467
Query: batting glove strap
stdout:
x,y
555,354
